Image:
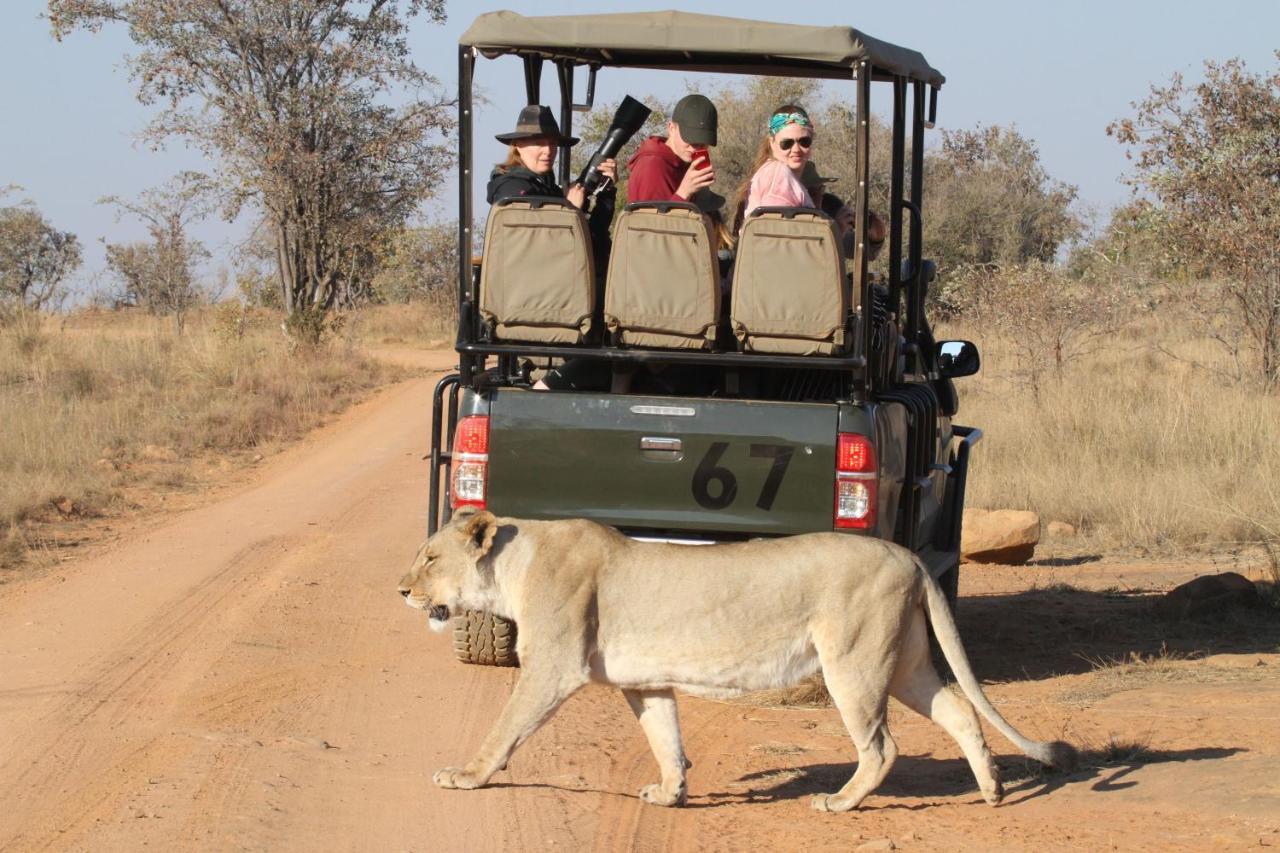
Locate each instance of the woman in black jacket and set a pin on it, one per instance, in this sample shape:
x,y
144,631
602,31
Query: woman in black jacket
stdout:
x,y
528,171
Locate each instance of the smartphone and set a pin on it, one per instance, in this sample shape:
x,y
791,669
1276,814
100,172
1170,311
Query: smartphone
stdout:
x,y
701,158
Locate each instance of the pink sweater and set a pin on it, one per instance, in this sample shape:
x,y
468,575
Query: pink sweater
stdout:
x,y
774,185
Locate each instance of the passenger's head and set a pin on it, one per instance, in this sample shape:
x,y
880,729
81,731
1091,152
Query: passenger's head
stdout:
x,y
786,122
535,141
693,125
791,136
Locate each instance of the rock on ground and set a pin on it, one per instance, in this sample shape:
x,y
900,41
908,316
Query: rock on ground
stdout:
x,y
1005,536
1207,594
1060,529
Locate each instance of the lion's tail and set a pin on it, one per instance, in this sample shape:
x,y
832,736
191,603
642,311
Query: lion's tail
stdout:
x,y
1059,754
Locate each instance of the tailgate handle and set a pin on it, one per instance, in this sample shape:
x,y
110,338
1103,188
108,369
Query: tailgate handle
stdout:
x,y
670,445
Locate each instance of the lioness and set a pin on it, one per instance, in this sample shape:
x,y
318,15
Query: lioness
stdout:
x,y
593,605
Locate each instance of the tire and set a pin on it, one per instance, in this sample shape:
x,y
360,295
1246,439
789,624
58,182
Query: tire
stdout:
x,y
485,639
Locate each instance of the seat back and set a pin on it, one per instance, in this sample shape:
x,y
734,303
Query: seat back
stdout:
x,y
663,288
537,282
790,293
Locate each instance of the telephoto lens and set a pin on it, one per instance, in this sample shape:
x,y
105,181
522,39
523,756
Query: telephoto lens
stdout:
x,y
629,118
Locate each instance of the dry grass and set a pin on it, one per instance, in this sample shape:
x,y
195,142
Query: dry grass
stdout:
x,y
97,405
1137,671
422,324
1134,447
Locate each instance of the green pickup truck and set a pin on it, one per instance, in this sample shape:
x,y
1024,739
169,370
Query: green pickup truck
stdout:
x,y
746,416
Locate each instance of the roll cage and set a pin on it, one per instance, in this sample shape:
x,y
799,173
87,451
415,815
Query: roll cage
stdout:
x,y
689,42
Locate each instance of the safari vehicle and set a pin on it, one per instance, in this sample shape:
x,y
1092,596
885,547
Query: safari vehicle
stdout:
x,y
822,405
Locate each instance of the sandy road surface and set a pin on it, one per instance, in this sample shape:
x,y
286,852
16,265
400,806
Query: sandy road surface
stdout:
x,y
244,677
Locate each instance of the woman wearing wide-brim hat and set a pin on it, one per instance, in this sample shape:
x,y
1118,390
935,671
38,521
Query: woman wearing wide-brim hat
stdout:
x,y
531,156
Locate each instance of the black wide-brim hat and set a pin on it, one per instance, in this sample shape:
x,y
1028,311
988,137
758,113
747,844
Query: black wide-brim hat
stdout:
x,y
537,120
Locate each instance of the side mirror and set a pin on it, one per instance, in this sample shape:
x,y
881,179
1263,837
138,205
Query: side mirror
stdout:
x,y
957,358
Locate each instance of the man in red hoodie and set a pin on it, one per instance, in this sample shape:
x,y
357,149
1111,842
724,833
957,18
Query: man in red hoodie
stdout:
x,y
661,169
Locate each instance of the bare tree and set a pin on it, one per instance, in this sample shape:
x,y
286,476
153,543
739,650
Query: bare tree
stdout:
x,y
1049,318
293,98
35,258
160,274
1209,157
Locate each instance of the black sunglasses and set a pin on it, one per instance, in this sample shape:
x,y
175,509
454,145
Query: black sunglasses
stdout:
x,y
803,142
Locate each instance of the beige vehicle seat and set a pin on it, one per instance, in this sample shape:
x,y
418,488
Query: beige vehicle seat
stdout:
x,y
790,293
664,279
537,282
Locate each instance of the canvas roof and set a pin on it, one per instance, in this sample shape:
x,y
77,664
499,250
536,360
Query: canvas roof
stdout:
x,y
689,41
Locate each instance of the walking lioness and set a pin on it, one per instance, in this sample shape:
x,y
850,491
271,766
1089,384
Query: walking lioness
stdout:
x,y
592,605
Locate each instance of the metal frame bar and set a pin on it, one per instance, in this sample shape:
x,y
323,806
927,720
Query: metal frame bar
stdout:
x,y
915,285
666,356
958,478
466,331
862,313
895,193
440,459
532,79
564,71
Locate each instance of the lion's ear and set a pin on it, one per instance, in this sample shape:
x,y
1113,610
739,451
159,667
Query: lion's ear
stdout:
x,y
479,530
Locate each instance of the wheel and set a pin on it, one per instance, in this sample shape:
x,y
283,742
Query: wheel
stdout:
x,y
485,639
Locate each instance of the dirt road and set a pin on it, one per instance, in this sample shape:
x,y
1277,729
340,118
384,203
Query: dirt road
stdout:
x,y
244,677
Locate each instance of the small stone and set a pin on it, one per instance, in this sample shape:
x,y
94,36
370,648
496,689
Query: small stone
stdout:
x,y
257,457
877,844
1060,530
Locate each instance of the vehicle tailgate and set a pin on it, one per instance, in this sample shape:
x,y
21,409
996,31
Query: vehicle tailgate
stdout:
x,y
661,463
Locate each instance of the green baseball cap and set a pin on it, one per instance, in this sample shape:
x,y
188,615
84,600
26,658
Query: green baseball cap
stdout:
x,y
695,115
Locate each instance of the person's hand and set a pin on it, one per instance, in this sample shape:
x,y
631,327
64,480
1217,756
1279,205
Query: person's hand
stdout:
x,y
694,180
576,195
609,168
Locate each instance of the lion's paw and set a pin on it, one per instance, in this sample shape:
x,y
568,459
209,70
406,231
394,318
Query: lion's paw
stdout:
x,y
828,803
455,777
656,795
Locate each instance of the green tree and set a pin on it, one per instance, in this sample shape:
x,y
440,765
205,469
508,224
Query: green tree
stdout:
x,y
160,274
420,264
1208,157
292,98
35,259
989,201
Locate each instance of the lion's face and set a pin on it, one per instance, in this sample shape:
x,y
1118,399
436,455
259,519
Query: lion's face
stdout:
x,y
445,574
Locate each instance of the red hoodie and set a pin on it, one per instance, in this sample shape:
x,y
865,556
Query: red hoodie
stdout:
x,y
655,172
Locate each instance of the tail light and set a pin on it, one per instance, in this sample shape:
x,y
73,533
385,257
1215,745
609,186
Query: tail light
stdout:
x,y
469,467
856,482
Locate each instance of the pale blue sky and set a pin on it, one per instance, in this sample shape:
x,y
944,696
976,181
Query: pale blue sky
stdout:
x,y
1059,72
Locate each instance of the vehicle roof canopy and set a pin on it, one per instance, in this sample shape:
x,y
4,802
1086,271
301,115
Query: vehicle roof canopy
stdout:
x,y
693,42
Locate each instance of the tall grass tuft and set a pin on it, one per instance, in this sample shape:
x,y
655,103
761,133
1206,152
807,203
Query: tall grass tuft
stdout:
x,y
84,398
1139,444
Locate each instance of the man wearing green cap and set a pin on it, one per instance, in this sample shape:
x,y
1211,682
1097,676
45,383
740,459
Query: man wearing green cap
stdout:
x,y
662,169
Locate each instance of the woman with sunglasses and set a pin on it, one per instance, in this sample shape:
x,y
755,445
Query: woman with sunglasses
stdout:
x,y
780,160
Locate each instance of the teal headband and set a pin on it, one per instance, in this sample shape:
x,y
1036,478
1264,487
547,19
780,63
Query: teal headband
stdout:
x,y
781,120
